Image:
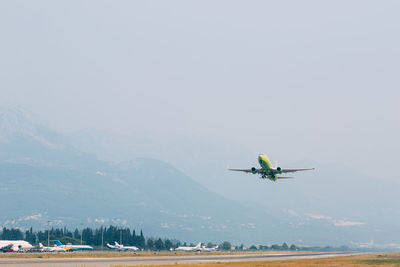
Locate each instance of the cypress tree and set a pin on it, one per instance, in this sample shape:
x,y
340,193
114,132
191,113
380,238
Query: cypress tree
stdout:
x,y
159,244
77,234
141,241
134,238
168,244
150,244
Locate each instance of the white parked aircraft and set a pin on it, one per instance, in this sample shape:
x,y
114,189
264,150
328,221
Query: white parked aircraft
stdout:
x,y
122,247
72,247
205,249
51,249
195,248
15,246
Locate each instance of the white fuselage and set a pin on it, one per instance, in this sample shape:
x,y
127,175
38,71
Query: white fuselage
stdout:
x,y
205,249
76,247
196,248
17,245
122,247
129,248
51,249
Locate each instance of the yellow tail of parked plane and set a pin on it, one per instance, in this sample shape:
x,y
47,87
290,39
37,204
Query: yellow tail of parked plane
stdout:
x,y
268,171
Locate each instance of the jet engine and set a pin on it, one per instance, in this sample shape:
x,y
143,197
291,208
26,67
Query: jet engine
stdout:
x,y
279,169
254,170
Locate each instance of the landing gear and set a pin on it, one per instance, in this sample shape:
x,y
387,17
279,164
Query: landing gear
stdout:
x,y
263,176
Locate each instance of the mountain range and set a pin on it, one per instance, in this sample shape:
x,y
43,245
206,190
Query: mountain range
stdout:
x,y
179,188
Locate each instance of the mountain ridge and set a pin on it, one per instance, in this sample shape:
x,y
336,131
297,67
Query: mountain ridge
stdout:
x,y
70,188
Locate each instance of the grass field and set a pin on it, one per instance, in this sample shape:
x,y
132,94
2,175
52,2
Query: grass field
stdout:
x,y
386,259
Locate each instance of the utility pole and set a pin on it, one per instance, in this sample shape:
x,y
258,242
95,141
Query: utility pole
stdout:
x,y
48,234
102,232
81,233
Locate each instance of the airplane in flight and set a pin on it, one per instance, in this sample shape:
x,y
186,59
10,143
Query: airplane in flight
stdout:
x,y
14,246
195,248
268,171
72,247
122,247
51,249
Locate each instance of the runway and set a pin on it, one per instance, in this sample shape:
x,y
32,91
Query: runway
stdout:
x,y
69,262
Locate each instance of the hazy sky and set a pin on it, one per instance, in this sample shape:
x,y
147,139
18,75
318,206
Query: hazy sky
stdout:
x,y
312,79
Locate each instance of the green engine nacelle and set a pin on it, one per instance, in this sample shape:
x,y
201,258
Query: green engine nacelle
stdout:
x,y
253,170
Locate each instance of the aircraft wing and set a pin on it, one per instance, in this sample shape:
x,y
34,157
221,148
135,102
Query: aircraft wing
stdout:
x,y
110,246
284,177
295,170
244,170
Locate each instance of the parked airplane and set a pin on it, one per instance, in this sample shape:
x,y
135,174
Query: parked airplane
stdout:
x,y
51,249
195,248
72,247
122,247
268,171
205,249
15,246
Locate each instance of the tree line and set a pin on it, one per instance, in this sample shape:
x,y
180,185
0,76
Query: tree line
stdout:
x,y
89,236
94,237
